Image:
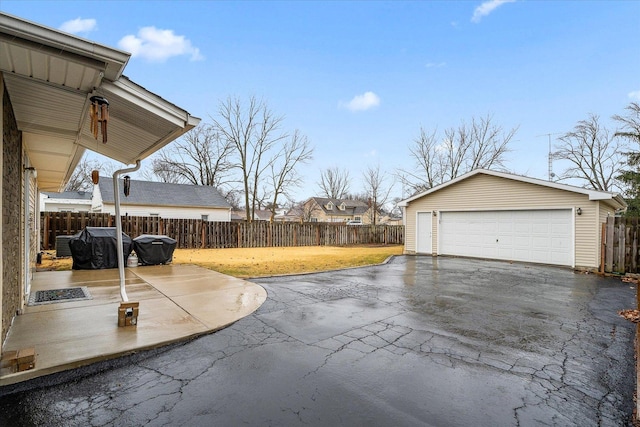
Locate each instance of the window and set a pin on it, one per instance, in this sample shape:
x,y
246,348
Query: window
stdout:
x,y
204,217
314,220
342,206
357,218
329,206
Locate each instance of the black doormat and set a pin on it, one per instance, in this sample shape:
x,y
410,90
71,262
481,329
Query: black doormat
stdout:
x,y
59,295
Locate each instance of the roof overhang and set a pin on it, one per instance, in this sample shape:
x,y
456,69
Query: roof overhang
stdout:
x,y
614,199
50,77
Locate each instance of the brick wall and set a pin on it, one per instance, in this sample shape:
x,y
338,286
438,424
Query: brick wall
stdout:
x,y
11,212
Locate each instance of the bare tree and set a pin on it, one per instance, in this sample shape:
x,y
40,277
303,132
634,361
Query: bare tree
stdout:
x,y
81,178
200,157
284,175
253,131
306,210
428,160
594,155
478,145
377,188
334,183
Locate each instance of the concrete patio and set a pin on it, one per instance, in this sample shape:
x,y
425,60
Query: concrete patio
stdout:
x,y
177,302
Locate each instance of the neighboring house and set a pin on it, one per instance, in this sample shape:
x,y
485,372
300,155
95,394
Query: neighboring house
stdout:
x,y
47,78
258,215
290,215
390,220
149,198
495,215
66,201
321,209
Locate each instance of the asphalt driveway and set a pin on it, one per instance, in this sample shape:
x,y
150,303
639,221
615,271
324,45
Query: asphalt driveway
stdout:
x,y
418,341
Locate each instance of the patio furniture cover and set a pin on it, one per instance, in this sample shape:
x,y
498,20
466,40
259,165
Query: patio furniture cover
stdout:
x,y
96,248
153,250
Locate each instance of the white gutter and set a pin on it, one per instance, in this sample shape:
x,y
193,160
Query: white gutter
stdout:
x,y
116,195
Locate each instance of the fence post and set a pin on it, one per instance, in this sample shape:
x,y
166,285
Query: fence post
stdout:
x,y
603,236
609,243
46,232
621,248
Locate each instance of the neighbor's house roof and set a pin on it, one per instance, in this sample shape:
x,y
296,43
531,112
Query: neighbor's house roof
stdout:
x,y
258,215
68,195
151,193
50,77
615,199
352,207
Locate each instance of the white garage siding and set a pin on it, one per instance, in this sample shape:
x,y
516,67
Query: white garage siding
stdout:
x,y
540,236
485,192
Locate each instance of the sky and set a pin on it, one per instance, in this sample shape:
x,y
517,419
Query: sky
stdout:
x,y
360,78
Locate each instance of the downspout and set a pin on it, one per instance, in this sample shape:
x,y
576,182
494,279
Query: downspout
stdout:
x,y
27,224
116,195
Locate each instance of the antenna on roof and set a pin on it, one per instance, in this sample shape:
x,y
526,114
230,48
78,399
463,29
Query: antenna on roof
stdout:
x,y
550,157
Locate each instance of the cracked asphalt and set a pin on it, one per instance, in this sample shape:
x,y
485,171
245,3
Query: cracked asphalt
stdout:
x,y
418,341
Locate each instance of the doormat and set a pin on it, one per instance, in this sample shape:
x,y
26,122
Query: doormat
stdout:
x,y
59,295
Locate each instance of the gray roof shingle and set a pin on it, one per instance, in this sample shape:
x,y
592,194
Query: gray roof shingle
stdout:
x,y
78,195
352,207
164,194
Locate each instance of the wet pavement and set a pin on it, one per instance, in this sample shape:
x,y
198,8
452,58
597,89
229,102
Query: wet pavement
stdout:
x,y
418,341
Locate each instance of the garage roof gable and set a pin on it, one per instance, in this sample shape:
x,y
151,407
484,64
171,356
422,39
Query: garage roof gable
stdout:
x,y
614,199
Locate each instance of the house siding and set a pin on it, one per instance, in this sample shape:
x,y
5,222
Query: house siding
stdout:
x,y
474,193
221,214
317,213
12,208
61,206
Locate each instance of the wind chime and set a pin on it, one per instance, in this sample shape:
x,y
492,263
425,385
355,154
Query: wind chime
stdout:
x,y
99,113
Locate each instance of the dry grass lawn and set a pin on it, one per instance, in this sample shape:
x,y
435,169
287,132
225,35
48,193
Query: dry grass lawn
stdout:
x,y
260,262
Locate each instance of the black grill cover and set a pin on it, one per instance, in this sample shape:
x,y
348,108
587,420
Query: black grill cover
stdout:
x,y
153,250
96,248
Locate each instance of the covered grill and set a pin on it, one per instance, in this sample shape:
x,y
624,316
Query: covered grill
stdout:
x,y
97,247
153,250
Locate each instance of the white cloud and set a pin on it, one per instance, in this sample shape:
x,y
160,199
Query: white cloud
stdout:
x,y
78,25
363,102
634,94
486,8
158,45
372,153
435,64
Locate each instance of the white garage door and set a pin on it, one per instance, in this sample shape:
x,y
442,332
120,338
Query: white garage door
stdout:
x,y
541,236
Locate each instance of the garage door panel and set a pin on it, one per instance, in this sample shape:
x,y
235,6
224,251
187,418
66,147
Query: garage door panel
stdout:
x,y
542,236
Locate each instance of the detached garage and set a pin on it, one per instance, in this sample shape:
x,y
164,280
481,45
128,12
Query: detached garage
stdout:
x,y
495,215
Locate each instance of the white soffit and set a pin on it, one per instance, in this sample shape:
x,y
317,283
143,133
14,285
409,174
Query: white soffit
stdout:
x,y
50,76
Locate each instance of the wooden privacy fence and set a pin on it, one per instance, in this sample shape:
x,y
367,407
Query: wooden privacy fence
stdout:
x,y
199,234
620,245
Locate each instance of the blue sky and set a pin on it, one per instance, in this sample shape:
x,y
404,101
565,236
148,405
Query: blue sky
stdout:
x,y
360,78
